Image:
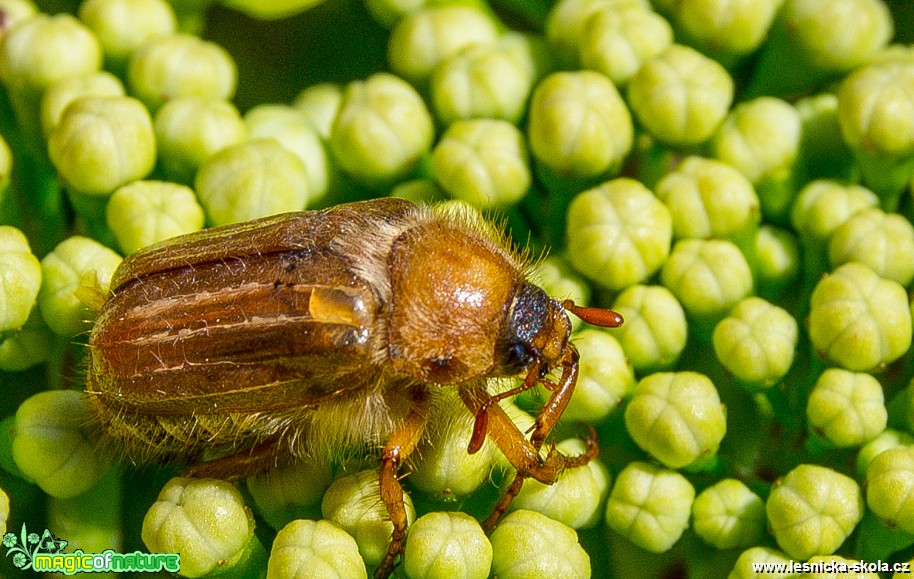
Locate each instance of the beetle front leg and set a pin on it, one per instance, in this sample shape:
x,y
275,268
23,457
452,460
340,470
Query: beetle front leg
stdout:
x,y
519,451
558,401
398,448
525,455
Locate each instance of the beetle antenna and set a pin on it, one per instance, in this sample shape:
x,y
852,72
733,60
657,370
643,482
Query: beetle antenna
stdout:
x,y
594,316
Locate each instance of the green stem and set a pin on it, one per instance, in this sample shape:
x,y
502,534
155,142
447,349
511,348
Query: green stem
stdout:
x,y
815,265
887,177
877,542
776,197
529,14
783,69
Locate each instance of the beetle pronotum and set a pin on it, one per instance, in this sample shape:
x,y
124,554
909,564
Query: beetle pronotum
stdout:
x,y
279,338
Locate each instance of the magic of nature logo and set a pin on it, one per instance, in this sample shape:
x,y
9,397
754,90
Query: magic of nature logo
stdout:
x,y
44,554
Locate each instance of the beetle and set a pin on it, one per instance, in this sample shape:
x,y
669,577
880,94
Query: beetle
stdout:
x,y
279,338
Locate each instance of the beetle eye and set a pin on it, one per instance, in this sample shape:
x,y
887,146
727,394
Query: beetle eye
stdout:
x,y
518,357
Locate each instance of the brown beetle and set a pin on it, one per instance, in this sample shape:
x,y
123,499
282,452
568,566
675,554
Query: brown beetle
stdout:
x,y
286,336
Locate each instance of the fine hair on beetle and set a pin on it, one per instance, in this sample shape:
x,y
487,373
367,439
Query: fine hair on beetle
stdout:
x,y
324,334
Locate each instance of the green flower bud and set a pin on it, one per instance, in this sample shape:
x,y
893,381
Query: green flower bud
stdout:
x,y
617,40
426,37
59,95
6,169
27,345
15,12
389,12
320,104
579,125
249,180
605,378
812,510
102,143
576,499
354,503
482,162
890,487
203,519
650,506
53,443
812,42
20,278
681,96
859,320
290,491
447,545
708,277
838,35
45,49
123,25
76,263
177,65
145,212
893,53
777,254
876,112
618,233
530,51
745,566
4,511
305,549
756,342
382,129
567,22
901,574
654,333
442,467
887,439
708,198
884,242
190,130
480,81
729,515
725,31
824,205
677,417
846,407
528,544
761,138
294,132
270,9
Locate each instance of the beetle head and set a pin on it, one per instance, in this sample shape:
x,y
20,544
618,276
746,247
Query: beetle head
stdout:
x,y
538,329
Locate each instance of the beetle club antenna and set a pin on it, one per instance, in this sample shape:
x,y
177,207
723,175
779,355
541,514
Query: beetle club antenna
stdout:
x,y
594,316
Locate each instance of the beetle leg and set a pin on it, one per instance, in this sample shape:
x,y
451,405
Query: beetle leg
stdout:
x,y
398,448
561,395
501,507
524,454
248,462
480,426
519,451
